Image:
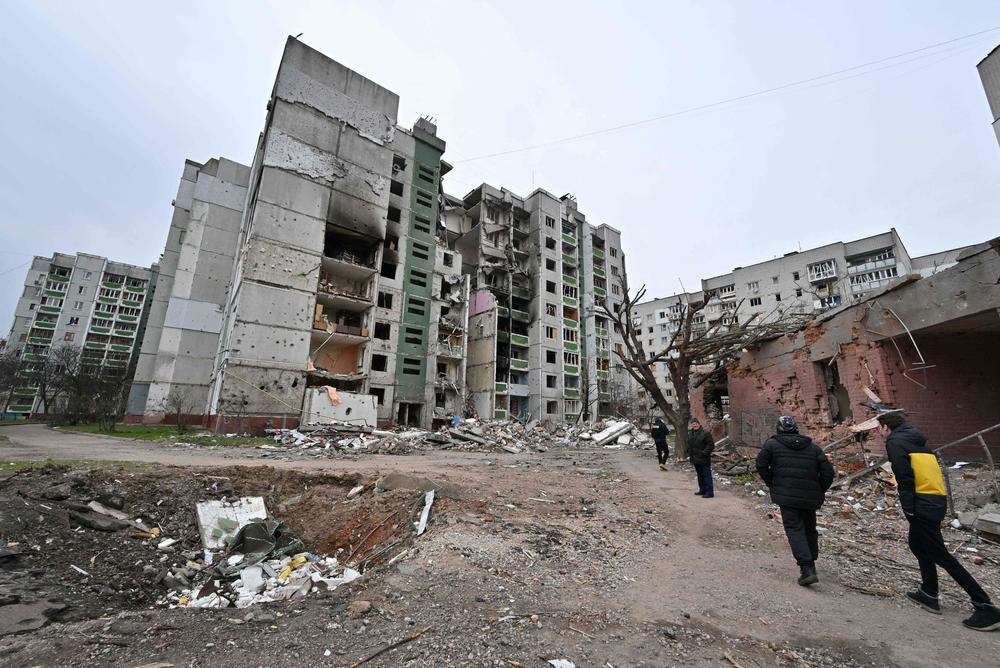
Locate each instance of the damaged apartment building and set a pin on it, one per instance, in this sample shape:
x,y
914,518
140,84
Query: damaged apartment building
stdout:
x,y
317,283
539,346
927,344
810,281
84,301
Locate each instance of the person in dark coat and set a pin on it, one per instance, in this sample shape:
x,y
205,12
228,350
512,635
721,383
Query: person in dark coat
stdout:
x,y
924,501
660,433
798,475
700,446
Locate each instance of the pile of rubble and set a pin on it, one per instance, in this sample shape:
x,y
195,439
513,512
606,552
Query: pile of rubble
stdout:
x,y
470,435
249,558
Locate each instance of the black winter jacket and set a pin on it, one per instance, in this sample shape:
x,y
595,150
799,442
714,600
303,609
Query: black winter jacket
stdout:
x,y
700,446
918,474
796,470
660,432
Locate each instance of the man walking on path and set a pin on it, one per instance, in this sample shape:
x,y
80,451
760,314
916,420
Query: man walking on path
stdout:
x,y
700,446
798,475
923,499
660,433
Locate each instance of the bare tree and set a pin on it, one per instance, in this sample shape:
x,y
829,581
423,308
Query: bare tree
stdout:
x,y
10,374
236,407
179,404
693,356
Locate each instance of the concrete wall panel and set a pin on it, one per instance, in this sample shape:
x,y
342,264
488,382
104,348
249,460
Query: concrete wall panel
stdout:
x,y
293,192
287,227
270,263
194,315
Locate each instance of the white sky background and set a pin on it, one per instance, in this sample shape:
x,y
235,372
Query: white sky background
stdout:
x,y
105,100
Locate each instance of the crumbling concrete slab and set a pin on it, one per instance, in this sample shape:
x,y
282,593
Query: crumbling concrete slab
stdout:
x,y
220,520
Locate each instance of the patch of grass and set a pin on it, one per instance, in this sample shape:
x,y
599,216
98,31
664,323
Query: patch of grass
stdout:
x,y
156,432
744,478
23,465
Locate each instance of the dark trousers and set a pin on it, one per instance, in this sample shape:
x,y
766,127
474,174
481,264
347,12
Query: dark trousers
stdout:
x,y
800,527
704,472
662,452
927,545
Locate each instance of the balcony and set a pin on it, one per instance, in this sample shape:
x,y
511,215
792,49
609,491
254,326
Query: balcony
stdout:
x,y
571,370
604,396
520,316
519,364
569,238
599,292
601,332
130,334
19,408
499,414
450,351
127,318
571,324
38,341
602,375
107,300
119,348
822,271
570,346
519,390
32,357
131,304
568,260
570,301
116,364
58,278
503,336
49,309
519,340
43,324
503,312
139,289
111,286
599,272
55,293
95,345
571,393
604,354
501,388
100,330
25,392
570,280
868,266
598,254
523,293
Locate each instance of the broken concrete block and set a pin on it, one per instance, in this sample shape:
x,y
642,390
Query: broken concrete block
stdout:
x,y
228,518
988,523
98,522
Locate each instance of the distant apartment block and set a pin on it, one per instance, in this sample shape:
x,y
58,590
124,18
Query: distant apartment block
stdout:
x,y
989,73
185,316
538,345
85,301
808,281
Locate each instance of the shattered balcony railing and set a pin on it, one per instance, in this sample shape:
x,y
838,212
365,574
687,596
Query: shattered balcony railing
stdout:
x,y
450,350
351,291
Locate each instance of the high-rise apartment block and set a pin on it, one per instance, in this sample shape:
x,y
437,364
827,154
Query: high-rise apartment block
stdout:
x,y
84,301
538,345
185,316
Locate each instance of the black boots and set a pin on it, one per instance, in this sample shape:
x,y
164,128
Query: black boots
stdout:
x,y
808,576
928,603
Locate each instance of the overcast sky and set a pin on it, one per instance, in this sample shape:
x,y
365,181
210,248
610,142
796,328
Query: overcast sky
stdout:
x,y
105,100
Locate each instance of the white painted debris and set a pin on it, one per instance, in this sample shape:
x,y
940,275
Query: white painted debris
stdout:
x,y
421,526
562,663
233,515
959,465
955,524
98,507
166,543
624,439
79,570
355,491
612,431
252,579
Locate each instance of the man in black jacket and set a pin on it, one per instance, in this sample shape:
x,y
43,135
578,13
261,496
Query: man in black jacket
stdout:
x,y
798,474
700,446
923,498
660,432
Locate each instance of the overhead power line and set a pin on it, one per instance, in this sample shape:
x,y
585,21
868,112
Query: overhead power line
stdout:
x,y
730,100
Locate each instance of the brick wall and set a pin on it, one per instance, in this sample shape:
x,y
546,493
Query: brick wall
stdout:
x,y
962,393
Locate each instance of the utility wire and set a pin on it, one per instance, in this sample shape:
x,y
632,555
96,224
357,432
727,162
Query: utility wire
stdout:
x,y
730,100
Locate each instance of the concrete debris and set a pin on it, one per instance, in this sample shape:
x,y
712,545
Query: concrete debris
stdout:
x,y
421,526
469,435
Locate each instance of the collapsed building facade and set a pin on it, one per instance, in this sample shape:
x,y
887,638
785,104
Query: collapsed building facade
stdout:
x,y
85,301
928,344
539,346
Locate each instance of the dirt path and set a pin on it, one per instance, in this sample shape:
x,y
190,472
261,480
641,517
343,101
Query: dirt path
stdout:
x,y
726,567
627,564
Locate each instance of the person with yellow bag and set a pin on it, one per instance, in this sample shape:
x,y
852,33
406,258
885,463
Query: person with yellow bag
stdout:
x,y
924,501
